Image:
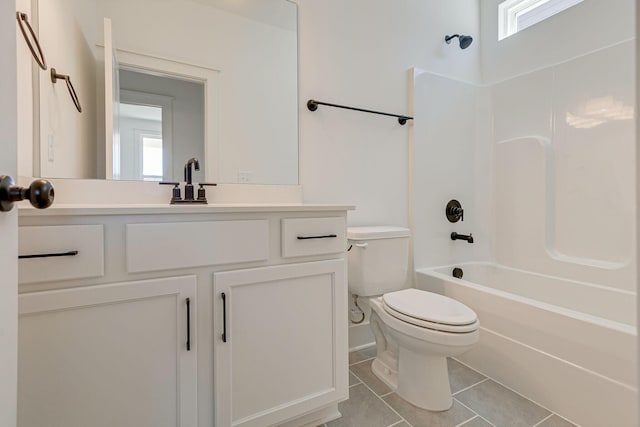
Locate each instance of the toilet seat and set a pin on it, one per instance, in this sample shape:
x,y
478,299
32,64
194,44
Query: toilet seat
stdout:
x,y
430,310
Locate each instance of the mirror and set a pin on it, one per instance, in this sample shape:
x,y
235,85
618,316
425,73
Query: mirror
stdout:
x,y
161,81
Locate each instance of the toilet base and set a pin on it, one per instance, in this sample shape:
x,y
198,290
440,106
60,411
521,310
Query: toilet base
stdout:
x,y
426,384
385,373
423,380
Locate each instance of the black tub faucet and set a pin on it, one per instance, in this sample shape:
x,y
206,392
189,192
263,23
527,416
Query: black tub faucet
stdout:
x,y
456,236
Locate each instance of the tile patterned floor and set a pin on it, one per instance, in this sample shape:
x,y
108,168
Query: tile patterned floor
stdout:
x,y
477,402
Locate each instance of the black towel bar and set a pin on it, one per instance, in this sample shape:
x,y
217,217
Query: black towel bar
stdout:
x,y
312,105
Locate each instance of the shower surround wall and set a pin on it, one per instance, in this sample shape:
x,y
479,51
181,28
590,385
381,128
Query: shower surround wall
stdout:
x,y
564,169
543,159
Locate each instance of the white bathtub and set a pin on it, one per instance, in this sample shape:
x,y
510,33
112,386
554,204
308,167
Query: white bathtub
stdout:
x,y
570,346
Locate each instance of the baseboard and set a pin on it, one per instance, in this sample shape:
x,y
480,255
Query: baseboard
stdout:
x,y
315,418
360,336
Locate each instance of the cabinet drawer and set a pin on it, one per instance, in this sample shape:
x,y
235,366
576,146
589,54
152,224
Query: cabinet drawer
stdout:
x,y
53,248
313,236
167,246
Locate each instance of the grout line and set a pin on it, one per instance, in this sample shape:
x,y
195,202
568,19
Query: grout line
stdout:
x,y
512,390
386,394
353,385
395,424
464,364
468,421
362,361
471,386
522,395
383,401
543,420
480,416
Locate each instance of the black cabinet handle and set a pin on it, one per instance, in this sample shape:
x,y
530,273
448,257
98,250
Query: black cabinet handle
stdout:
x,y
327,236
188,324
54,255
224,317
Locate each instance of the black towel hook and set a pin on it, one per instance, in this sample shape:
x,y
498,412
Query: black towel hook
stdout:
x,y
72,92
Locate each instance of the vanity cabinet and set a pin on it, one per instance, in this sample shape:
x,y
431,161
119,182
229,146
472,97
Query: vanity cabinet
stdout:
x,y
103,333
279,342
108,355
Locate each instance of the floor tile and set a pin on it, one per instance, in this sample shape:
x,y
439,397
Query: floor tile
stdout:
x,y
501,406
421,418
360,355
461,377
402,424
555,421
476,422
363,371
353,380
364,409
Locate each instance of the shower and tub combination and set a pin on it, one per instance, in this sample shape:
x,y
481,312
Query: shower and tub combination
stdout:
x,y
544,149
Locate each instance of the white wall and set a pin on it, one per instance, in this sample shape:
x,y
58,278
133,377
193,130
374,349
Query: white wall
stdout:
x,y
359,53
67,35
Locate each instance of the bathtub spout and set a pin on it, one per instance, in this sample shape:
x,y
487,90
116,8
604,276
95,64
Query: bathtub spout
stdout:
x,y
456,236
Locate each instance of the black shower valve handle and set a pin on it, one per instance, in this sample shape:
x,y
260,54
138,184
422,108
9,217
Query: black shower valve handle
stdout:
x,y
454,211
459,212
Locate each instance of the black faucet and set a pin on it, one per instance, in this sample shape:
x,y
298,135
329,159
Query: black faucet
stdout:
x,y
188,188
456,236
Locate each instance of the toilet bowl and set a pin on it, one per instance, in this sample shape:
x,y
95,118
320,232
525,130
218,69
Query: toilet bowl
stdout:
x,y
412,352
415,330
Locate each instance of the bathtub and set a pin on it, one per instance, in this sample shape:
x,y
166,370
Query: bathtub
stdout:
x,y
570,346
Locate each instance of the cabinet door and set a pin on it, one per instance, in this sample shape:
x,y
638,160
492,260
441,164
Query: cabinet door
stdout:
x,y
286,342
112,355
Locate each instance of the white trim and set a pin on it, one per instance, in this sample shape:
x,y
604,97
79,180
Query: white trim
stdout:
x,y
139,136
511,11
209,76
166,103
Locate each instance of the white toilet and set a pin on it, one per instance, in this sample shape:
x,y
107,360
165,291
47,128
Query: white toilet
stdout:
x,y
415,330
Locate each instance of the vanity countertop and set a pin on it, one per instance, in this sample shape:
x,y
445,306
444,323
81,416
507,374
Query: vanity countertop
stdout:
x,y
155,209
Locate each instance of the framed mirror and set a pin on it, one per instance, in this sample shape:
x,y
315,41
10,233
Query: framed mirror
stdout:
x,y
160,82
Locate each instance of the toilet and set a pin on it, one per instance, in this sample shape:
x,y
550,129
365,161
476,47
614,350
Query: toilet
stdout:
x,y
415,330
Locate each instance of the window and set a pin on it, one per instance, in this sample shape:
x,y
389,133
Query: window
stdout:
x,y
152,158
516,15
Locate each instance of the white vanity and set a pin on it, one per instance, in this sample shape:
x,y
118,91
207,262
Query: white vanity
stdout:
x,y
127,324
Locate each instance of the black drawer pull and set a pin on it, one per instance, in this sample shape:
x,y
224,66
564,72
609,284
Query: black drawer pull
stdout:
x,y
328,236
70,253
188,324
224,317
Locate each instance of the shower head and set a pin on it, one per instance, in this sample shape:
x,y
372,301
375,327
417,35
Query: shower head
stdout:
x,y
465,41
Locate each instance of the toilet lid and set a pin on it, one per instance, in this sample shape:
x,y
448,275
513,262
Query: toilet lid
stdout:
x,y
430,307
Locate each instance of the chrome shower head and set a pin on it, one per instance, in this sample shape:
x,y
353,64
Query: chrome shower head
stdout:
x,y
465,41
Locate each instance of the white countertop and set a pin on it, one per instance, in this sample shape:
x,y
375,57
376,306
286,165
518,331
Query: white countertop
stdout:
x,y
155,209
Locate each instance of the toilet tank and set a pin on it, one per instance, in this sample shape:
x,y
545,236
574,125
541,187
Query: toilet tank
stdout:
x,y
378,259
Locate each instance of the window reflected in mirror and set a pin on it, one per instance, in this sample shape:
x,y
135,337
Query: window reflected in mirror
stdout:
x,y
161,122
